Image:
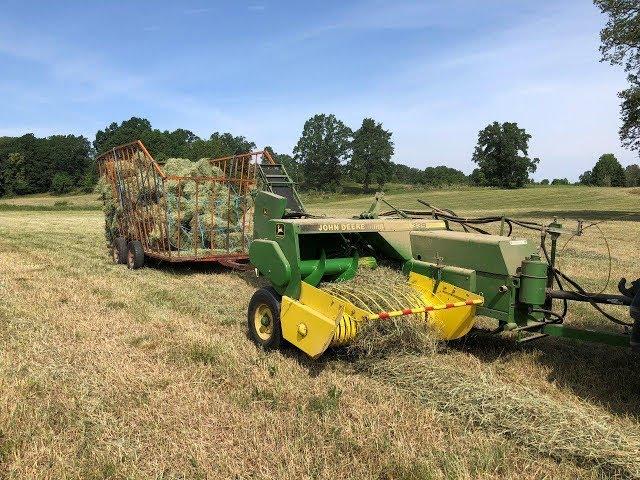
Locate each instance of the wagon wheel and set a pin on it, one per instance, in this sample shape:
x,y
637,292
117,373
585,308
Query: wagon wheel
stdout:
x,y
119,251
135,256
264,318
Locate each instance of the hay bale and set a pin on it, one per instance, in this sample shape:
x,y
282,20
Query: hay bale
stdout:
x,y
180,167
204,168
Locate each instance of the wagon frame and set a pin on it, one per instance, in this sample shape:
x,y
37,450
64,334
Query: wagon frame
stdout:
x,y
139,187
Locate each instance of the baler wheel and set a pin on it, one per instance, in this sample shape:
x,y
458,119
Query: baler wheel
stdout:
x,y
119,251
135,257
264,318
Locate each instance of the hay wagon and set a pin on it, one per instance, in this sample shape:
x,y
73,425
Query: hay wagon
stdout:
x,y
204,213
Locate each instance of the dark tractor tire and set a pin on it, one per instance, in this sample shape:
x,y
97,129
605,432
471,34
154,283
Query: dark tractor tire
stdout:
x,y
264,319
135,257
119,251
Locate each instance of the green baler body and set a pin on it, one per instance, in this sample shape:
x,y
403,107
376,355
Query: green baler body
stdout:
x,y
490,265
289,250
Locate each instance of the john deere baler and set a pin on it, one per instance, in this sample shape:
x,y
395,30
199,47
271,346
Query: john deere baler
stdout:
x,y
451,276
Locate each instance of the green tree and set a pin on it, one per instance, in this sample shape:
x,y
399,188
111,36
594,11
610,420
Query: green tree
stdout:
x,y
607,172
220,145
89,178
441,176
632,175
620,45
502,155
161,144
127,131
544,181
586,178
560,181
61,183
68,153
477,178
13,175
372,150
409,175
324,144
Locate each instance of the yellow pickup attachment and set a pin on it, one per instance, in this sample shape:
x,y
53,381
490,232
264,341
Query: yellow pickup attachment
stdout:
x,y
324,318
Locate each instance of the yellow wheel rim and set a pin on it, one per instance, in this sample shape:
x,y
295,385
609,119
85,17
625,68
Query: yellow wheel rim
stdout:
x,y
263,322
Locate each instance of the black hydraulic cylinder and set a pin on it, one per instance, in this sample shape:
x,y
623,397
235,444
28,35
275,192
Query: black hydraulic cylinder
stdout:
x,y
604,298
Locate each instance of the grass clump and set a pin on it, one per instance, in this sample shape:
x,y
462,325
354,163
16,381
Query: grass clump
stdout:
x,y
323,404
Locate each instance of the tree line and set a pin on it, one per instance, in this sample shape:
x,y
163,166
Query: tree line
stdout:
x,y
328,156
59,163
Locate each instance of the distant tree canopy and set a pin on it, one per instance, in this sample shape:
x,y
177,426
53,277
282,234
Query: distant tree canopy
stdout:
x,y
620,45
560,181
607,172
632,175
586,178
372,150
327,153
404,174
502,156
179,143
28,164
441,176
438,176
325,143
544,181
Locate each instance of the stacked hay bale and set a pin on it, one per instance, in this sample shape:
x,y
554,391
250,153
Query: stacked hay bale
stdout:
x,y
204,213
192,212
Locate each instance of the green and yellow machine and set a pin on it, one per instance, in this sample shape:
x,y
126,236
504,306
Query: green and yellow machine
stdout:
x,y
452,276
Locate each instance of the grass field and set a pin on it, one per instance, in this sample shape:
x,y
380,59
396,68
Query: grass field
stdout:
x,y
111,373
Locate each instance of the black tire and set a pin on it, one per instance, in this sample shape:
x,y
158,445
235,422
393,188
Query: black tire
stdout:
x,y
119,251
263,318
135,256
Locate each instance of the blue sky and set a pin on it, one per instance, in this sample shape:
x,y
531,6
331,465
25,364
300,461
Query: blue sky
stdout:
x,y
433,72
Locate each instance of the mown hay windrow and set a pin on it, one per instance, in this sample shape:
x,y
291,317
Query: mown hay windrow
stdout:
x,y
399,335
384,289
561,429
377,289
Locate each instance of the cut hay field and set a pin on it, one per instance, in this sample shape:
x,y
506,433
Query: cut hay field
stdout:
x,y
111,373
